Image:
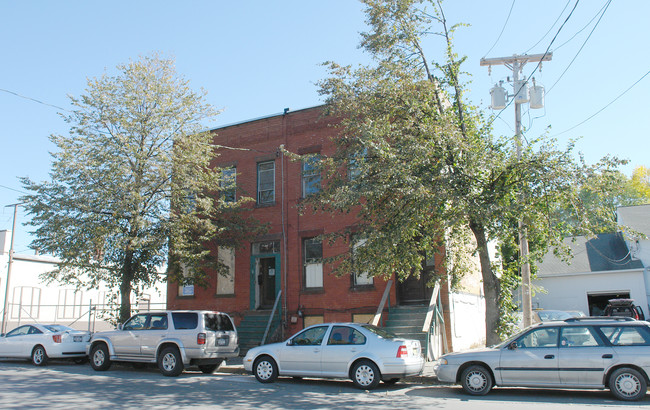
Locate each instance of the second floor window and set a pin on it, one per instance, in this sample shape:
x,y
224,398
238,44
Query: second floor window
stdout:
x,y
310,175
313,262
266,183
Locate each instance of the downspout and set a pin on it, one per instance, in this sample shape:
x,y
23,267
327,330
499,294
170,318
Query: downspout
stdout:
x,y
284,222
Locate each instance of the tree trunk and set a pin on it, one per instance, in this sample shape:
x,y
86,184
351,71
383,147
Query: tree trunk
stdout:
x,y
126,287
491,285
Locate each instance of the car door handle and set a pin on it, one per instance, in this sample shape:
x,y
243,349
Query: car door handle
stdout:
x,y
549,356
607,356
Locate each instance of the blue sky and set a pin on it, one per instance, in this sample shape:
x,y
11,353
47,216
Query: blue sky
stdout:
x,y
255,58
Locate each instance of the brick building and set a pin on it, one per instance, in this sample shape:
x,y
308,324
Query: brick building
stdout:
x,y
289,257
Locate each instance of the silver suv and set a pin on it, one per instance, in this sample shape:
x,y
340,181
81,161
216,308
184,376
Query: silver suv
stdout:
x,y
172,339
586,352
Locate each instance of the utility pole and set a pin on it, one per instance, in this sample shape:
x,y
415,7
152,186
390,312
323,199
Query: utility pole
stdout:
x,y
11,260
516,63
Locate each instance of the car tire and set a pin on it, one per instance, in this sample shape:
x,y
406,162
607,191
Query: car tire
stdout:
x,y
627,384
170,362
265,369
39,356
99,358
365,375
209,368
476,380
391,382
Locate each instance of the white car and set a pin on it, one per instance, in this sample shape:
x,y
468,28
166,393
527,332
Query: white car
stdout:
x,y
40,342
361,352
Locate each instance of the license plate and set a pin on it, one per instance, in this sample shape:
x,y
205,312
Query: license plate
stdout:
x,y
77,338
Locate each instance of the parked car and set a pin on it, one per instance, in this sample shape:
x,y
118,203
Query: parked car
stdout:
x,y
589,352
39,343
172,339
625,308
361,352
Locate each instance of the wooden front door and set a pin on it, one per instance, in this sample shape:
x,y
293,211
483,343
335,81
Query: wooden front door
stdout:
x,y
414,291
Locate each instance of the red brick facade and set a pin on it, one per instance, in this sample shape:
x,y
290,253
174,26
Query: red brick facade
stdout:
x,y
301,132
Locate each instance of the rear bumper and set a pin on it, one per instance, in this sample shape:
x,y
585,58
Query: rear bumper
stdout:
x,y
402,368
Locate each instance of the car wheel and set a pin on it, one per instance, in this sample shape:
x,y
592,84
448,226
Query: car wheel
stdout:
x,y
170,362
39,357
365,375
209,368
99,357
391,382
627,384
476,380
265,369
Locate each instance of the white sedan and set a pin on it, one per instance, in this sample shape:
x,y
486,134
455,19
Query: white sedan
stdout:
x,y
39,342
364,353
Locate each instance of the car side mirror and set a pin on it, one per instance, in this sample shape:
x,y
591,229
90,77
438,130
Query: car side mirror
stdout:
x,y
290,343
512,346
119,326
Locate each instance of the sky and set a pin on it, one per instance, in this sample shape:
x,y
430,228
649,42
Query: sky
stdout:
x,y
257,57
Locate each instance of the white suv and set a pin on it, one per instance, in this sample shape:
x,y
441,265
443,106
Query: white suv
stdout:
x,y
172,339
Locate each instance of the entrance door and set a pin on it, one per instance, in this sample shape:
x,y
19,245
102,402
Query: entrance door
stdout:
x,y
266,277
414,291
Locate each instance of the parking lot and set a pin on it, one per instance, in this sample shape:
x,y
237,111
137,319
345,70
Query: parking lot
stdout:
x,y
66,385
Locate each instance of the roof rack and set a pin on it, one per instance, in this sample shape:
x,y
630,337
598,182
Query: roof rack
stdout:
x,y
588,318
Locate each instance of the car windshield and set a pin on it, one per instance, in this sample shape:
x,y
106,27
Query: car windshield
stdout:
x,y
384,334
58,328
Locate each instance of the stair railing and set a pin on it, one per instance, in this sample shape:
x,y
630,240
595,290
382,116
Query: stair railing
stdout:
x,y
268,324
380,308
434,323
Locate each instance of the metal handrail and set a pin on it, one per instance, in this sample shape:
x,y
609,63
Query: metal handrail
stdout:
x,y
268,325
380,308
432,303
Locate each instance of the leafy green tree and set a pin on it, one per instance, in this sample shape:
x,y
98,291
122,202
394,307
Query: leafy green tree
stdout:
x,y
132,177
640,182
419,166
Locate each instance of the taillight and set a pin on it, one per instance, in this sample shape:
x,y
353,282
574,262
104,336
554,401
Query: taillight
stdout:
x,y
402,352
200,339
56,338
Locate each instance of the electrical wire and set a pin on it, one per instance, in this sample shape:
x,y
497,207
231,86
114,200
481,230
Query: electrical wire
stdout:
x,y
602,109
502,29
549,30
33,99
581,47
13,189
540,61
585,26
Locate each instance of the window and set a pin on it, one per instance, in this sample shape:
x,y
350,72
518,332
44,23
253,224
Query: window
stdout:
x,y
158,321
69,304
26,301
354,165
344,335
185,289
226,283
217,322
137,322
310,175
266,183
229,184
310,337
626,335
185,320
544,337
313,262
360,277
577,336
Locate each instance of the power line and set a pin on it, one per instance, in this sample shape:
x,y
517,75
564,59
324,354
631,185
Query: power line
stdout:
x,y
33,99
581,47
585,26
602,109
549,30
502,29
540,61
12,189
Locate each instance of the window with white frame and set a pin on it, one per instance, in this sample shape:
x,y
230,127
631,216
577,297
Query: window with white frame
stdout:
x,y
229,184
360,277
226,283
69,305
310,175
313,262
185,289
26,302
266,183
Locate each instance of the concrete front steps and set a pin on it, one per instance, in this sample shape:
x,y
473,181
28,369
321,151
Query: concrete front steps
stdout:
x,y
407,322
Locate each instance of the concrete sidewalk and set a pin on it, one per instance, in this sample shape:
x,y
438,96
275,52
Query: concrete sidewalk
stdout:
x,y
235,366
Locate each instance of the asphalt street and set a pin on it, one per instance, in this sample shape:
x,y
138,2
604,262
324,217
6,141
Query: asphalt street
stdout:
x,y
66,385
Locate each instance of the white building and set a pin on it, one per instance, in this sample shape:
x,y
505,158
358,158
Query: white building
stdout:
x,y
609,266
30,299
